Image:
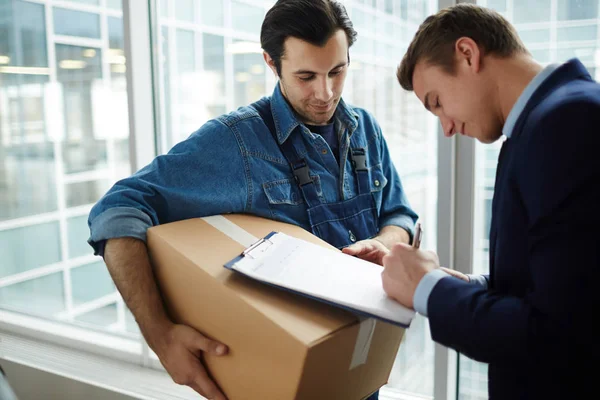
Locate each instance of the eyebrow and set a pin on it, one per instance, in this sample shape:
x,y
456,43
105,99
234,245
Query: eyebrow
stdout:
x,y
427,102
306,71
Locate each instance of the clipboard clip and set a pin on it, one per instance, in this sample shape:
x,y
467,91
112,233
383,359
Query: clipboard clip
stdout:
x,y
259,246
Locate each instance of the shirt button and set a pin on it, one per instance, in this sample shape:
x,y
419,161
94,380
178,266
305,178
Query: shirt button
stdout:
x,y
351,236
324,151
377,183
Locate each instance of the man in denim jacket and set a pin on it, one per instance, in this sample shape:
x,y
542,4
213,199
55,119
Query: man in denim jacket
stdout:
x,y
301,156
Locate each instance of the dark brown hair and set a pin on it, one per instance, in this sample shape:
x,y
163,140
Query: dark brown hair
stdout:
x,y
314,21
436,37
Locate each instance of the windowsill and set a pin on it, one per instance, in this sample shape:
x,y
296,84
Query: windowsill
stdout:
x,y
103,360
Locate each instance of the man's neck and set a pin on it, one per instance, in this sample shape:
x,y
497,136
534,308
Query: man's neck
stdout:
x,y
512,76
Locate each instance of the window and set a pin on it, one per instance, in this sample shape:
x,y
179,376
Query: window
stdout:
x,y
63,142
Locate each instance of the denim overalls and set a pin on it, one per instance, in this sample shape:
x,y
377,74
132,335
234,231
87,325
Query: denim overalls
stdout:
x,y
343,223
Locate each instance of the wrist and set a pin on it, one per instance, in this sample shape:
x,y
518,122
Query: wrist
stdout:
x,y
156,333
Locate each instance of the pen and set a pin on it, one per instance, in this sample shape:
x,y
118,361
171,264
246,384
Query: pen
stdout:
x,y
418,236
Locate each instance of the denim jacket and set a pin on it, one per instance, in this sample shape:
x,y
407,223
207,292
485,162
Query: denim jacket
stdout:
x,y
233,164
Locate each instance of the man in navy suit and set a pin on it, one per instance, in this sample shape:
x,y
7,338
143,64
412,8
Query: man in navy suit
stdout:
x,y
531,319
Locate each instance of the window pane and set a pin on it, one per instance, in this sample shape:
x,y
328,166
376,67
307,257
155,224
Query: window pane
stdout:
x,y
85,193
246,18
184,10
76,23
43,296
115,4
77,233
30,31
105,316
531,36
80,75
211,12
249,77
569,10
63,142
214,67
531,11
91,282
22,249
91,2
575,33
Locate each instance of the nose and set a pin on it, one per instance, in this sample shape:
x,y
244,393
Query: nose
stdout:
x,y
447,126
324,90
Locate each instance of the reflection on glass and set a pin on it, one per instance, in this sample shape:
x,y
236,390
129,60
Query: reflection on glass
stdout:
x,y
81,277
77,234
105,316
531,11
80,73
249,75
247,18
211,12
76,23
63,141
21,249
43,296
184,10
571,10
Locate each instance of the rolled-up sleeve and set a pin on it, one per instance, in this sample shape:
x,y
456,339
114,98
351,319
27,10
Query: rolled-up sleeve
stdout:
x,y
187,182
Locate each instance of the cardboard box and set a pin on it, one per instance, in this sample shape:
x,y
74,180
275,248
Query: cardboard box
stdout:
x,y
282,346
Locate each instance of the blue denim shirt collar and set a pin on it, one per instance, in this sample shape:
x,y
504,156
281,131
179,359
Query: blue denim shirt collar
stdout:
x,y
286,121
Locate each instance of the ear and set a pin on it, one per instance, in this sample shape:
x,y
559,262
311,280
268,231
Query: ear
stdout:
x,y
270,63
468,53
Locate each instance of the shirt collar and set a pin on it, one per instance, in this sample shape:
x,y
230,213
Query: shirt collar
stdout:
x,y
286,121
524,98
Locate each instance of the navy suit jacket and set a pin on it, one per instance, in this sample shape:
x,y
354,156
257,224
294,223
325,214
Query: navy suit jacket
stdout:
x,y
534,325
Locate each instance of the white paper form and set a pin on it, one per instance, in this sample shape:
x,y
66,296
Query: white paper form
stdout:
x,y
319,272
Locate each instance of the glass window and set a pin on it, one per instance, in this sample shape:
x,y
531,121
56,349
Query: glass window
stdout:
x,y
90,2
77,234
531,36
184,10
248,74
76,23
570,10
83,292
211,12
63,142
115,4
21,248
531,11
577,33
43,296
246,18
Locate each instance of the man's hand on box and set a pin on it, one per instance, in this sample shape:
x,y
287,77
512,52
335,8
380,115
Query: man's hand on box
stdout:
x,y
370,250
180,352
